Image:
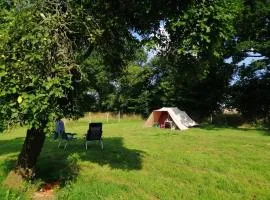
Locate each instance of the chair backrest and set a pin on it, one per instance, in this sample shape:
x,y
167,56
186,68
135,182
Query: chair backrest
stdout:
x,y
94,132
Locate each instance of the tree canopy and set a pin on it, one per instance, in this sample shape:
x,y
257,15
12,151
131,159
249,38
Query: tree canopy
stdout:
x,y
250,93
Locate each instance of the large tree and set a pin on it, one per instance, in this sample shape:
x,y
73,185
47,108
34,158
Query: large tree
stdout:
x,y
44,43
250,91
39,70
191,72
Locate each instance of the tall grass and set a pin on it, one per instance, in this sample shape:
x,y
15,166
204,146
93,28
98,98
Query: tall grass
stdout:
x,y
108,117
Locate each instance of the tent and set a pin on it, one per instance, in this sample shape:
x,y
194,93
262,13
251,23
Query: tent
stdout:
x,y
170,117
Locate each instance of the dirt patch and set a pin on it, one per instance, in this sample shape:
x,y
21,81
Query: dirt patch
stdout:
x,y
14,181
46,191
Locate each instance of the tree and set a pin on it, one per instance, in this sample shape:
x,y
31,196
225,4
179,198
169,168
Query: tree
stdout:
x,y
44,44
127,90
134,85
250,92
191,72
35,73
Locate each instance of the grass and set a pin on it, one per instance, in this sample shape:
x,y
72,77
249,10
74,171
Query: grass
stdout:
x,y
150,163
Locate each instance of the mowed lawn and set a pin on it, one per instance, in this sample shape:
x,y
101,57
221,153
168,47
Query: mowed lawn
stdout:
x,y
149,163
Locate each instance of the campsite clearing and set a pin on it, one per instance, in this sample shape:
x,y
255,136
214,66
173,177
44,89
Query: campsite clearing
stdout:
x,y
149,163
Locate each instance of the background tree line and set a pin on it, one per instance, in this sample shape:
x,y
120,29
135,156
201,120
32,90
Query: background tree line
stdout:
x,y
191,69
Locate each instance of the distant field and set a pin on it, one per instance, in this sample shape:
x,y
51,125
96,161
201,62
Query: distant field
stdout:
x,y
149,163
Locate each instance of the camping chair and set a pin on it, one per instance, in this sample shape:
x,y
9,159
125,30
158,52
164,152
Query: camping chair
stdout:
x,y
94,133
66,137
162,125
168,123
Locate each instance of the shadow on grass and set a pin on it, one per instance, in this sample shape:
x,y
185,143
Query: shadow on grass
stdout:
x,y
62,165
10,150
57,164
266,132
262,131
11,146
9,164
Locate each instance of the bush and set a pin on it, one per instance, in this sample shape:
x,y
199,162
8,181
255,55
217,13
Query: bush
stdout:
x,y
228,120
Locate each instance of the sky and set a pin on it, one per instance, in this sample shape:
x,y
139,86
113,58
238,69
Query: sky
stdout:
x,y
247,61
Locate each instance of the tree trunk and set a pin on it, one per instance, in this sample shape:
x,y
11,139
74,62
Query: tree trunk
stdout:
x,y
31,149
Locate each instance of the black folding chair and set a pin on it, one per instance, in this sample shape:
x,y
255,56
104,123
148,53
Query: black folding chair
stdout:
x,y
94,133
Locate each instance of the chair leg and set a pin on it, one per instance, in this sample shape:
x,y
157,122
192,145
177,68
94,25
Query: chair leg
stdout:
x,y
101,144
86,144
59,144
66,145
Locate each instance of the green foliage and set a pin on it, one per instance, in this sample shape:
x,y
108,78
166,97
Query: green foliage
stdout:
x,y
253,28
200,29
125,89
250,93
197,37
189,73
190,70
35,66
59,53
10,195
198,97
45,43
134,89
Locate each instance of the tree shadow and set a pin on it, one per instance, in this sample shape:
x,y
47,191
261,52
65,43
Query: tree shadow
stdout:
x,y
57,164
266,132
262,131
9,165
114,154
11,146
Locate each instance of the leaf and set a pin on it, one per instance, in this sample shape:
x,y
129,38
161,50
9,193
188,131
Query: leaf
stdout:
x,y
42,15
14,115
19,99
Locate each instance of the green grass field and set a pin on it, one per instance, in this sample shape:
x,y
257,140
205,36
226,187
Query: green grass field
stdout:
x,y
149,163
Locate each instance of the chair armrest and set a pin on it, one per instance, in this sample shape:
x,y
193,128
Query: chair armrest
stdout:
x,y
72,134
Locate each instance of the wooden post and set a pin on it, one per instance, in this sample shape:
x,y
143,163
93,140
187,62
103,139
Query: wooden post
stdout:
x,y
90,119
119,116
107,117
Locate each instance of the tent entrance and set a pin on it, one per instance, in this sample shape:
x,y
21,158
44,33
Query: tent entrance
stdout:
x,y
163,119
